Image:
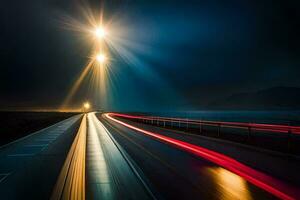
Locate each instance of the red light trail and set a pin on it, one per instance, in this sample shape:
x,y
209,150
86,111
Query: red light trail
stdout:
x,y
255,177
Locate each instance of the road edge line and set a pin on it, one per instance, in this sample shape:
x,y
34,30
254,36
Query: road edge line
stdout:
x,y
136,170
66,187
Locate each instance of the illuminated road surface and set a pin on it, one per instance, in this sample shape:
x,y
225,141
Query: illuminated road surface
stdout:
x,y
74,159
109,172
105,159
29,166
209,175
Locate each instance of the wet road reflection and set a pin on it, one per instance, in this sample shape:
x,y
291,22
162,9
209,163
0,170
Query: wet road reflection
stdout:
x,y
228,184
99,181
109,175
189,171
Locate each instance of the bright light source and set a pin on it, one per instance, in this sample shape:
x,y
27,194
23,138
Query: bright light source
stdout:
x,y
100,32
101,58
86,105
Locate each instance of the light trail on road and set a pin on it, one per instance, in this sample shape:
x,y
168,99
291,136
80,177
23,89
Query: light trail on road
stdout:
x,y
71,181
255,177
110,175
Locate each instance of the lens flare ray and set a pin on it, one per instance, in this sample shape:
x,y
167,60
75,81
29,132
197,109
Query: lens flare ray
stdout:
x,y
109,39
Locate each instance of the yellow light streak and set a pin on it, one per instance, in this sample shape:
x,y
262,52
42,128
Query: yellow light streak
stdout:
x,y
230,185
71,181
77,84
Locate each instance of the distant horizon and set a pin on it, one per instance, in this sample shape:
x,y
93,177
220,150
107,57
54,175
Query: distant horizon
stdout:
x,y
184,58
209,106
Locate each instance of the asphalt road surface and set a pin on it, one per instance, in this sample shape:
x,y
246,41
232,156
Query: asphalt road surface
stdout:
x,y
109,172
96,157
174,173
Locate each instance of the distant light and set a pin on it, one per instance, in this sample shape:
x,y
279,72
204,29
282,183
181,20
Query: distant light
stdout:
x,y
101,58
86,105
100,32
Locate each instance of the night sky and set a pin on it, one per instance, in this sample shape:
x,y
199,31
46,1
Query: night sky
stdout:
x,y
186,53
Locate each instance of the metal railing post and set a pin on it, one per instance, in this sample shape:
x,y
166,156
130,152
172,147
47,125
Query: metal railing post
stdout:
x,y
289,140
187,124
200,126
249,133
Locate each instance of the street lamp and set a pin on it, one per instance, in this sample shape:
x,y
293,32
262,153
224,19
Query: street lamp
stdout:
x,y
101,58
86,106
100,32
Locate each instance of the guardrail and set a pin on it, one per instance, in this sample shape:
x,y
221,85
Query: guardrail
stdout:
x,y
250,128
241,125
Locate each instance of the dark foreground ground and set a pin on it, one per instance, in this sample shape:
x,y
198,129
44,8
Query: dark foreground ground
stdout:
x,y
14,125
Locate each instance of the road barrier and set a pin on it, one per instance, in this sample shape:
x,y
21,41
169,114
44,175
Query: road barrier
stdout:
x,y
290,133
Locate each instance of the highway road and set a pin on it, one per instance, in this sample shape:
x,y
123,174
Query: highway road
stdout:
x,y
171,163
99,156
74,159
110,174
